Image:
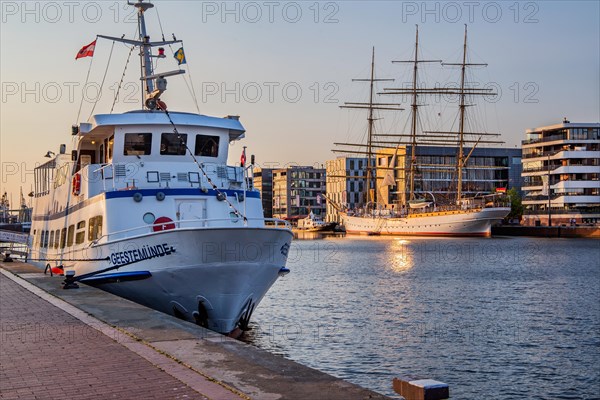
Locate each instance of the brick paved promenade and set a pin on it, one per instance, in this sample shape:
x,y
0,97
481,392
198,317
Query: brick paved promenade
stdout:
x,y
46,353
90,344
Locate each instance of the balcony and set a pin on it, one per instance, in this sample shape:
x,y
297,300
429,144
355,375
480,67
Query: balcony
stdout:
x,y
563,154
545,139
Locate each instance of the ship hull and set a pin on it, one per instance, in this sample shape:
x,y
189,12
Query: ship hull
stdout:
x,y
449,223
211,276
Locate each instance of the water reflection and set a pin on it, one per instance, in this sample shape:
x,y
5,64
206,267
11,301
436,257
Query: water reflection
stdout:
x,y
484,315
306,235
401,255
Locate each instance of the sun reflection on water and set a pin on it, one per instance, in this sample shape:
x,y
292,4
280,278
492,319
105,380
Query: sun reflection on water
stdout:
x,y
400,255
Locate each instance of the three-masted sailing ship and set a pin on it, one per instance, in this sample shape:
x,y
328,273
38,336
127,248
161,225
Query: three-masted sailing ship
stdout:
x,y
420,215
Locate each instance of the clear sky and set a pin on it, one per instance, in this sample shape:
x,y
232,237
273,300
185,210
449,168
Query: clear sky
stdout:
x,y
285,67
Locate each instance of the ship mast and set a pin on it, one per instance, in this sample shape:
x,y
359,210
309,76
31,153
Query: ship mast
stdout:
x,y
371,106
461,127
462,93
414,91
370,131
153,85
413,126
445,137
145,48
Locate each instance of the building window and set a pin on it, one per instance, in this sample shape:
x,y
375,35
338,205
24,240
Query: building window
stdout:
x,y
137,144
207,146
173,144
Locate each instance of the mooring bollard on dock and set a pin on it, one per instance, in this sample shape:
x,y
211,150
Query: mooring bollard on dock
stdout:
x,y
412,388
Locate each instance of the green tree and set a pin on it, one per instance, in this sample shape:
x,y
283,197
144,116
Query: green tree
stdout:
x,y
516,206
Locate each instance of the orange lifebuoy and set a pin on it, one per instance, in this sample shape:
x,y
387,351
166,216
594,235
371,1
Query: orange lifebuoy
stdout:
x,y
77,184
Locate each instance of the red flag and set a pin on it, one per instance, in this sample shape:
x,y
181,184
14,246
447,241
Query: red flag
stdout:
x,y
243,158
87,51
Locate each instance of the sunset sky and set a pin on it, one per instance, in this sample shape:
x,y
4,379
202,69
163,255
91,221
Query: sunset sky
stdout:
x,y
285,67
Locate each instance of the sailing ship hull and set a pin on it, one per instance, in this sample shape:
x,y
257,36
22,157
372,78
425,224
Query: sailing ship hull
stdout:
x,y
445,223
320,228
211,276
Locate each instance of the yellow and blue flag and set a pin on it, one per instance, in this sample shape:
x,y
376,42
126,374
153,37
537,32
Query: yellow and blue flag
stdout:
x,y
180,56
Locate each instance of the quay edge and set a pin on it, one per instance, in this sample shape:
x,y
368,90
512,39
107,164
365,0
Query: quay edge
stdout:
x,y
547,231
252,372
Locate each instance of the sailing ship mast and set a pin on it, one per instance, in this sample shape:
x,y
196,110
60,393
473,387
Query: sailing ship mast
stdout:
x,y
444,137
371,106
463,92
414,91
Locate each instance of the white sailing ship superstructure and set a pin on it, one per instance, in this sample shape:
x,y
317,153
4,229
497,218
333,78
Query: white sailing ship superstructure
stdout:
x,y
467,217
146,207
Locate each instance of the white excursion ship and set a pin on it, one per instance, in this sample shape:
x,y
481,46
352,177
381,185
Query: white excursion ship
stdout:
x,y
417,216
146,207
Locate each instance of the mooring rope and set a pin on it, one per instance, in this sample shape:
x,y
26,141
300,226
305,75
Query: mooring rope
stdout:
x,y
122,79
103,79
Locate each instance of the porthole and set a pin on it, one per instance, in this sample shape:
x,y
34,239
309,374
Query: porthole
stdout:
x,y
149,218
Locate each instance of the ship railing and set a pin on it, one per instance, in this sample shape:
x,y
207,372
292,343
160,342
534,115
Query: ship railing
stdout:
x,y
236,222
126,176
102,170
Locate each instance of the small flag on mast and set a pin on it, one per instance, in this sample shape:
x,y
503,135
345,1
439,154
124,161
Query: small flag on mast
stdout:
x,y
180,56
243,158
87,51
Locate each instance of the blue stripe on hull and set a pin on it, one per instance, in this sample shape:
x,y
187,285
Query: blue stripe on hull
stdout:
x,y
175,192
116,277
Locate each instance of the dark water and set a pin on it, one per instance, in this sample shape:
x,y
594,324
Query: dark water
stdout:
x,y
501,318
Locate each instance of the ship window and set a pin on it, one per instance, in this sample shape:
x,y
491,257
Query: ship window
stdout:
x,y
51,242
70,235
136,144
57,238
173,144
95,228
63,238
42,238
207,146
80,235
111,143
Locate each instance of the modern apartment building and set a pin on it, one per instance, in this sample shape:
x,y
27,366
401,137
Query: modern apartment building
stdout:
x,y
345,184
263,182
561,172
297,191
